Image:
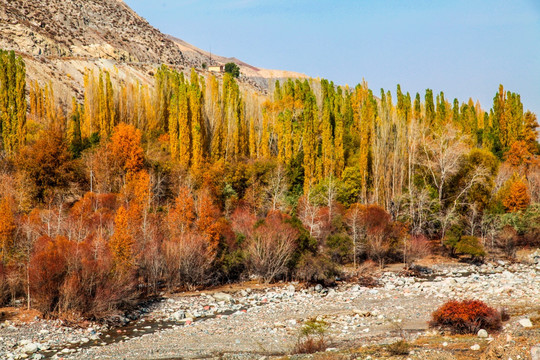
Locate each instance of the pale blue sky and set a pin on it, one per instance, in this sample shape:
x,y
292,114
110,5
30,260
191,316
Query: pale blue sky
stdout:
x,y
464,48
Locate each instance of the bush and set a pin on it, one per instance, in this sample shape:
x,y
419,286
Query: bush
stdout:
x,y
309,345
316,269
470,245
69,277
400,347
339,248
466,317
189,260
272,246
311,337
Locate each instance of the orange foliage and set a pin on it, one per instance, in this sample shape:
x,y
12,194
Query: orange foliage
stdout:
x,y
7,227
517,198
208,214
121,243
466,316
92,217
182,215
48,269
68,276
519,154
243,221
126,147
137,192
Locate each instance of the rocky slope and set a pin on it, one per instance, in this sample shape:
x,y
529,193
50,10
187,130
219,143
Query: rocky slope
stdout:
x,y
60,38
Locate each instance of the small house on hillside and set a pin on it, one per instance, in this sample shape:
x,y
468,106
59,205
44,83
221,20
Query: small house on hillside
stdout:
x,y
217,68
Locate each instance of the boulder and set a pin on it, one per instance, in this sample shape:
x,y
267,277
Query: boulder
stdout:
x,y
482,334
475,347
222,297
179,315
535,352
362,313
30,348
526,323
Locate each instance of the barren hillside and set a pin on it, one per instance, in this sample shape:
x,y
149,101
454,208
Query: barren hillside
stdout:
x,y
60,38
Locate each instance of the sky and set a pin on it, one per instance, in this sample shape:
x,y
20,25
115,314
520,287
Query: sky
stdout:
x,y
464,48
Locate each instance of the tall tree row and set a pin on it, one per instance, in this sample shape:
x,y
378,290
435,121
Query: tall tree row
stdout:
x,y
12,101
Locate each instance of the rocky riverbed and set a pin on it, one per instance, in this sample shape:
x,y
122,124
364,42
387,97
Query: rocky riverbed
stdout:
x,y
265,321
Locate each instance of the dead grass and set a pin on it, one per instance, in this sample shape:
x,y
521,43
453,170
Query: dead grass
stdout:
x,y
19,314
309,345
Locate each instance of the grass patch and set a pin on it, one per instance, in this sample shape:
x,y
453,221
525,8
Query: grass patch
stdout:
x,y
400,347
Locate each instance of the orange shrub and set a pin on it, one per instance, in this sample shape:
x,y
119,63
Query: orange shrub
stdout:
x,y
467,316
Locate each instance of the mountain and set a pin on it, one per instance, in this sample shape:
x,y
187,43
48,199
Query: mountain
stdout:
x,y
59,39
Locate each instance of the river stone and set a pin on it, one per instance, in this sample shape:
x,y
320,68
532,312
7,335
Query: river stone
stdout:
x,y
30,348
482,333
179,315
222,297
525,323
535,352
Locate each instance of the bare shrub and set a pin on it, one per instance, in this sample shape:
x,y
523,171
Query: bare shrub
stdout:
x,y
272,246
506,240
309,345
189,260
69,277
400,347
415,248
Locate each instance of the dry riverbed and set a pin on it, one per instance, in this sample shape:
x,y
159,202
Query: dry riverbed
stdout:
x,y
265,322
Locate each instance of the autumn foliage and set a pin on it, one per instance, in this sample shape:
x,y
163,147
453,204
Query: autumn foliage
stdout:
x,y
7,228
126,147
517,198
466,317
197,180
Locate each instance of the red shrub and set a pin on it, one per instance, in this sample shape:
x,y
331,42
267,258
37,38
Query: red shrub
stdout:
x,y
466,316
70,277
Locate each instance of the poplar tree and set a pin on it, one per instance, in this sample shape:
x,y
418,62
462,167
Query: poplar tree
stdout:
x,y
429,108
12,101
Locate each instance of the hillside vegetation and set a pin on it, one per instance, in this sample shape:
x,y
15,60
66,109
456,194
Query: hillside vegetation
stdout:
x,y
199,181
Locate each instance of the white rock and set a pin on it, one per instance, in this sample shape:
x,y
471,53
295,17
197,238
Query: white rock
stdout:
x,y
30,348
535,352
475,347
525,323
482,333
222,297
361,313
179,315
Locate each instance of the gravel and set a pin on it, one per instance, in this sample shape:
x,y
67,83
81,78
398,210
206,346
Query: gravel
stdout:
x,y
267,322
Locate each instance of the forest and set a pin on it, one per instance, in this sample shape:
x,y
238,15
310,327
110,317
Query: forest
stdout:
x,y
200,180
